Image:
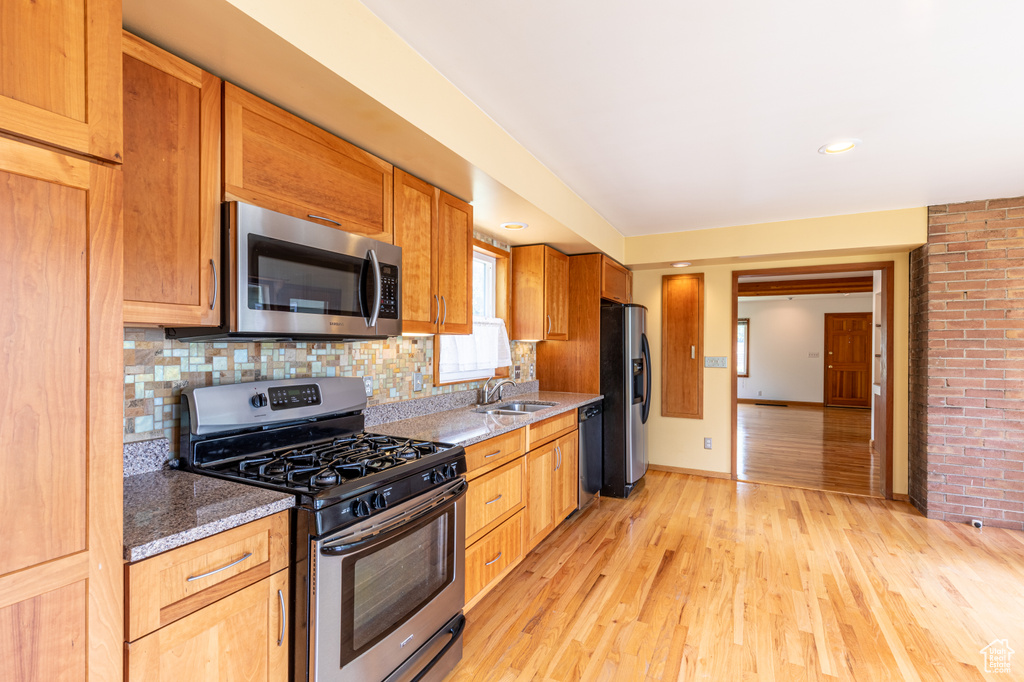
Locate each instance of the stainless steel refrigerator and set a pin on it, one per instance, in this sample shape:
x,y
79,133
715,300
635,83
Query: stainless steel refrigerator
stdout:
x,y
626,385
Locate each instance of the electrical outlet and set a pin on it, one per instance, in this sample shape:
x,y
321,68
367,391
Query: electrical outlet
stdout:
x,y
417,382
518,372
759,394
368,384
707,443
716,361
533,370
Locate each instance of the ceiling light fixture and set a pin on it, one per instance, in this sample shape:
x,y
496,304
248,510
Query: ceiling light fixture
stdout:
x,y
515,226
838,147
681,264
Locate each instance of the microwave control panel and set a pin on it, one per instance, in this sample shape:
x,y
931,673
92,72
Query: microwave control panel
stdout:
x,y
389,291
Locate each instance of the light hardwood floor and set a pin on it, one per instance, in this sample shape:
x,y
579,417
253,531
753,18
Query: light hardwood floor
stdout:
x,y
708,579
824,448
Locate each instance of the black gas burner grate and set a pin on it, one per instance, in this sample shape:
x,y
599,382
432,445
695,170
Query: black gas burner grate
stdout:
x,y
328,463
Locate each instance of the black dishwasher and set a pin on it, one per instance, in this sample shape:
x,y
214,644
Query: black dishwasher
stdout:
x,y
591,452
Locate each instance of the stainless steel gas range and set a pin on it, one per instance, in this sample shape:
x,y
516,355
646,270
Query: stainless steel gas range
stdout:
x,y
378,535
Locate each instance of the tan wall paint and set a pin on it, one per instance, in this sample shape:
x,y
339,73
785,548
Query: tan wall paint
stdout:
x,y
679,442
859,233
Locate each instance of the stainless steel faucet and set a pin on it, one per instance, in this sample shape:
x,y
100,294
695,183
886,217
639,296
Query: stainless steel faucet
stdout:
x,y
493,393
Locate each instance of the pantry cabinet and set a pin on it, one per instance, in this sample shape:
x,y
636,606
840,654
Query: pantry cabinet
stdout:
x,y
435,231
60,74
276,160
215,609
172,134
540,293
60,435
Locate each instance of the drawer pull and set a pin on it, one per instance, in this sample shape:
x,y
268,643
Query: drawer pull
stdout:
x,y
192,578
494,500
284,619
493,454
493,560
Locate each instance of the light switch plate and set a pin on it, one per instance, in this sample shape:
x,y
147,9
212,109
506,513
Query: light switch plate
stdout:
x,y
518,372
417,381
533,370
814,355
368,384
716,361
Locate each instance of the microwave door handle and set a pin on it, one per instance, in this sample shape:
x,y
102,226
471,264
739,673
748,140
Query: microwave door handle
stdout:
x,y
375,312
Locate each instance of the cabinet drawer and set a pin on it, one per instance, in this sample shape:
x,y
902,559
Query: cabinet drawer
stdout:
x,y
492,498
491,453
495,552
164,588
550,428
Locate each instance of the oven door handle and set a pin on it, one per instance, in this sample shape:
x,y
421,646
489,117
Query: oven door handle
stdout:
x,y
453,630
347,543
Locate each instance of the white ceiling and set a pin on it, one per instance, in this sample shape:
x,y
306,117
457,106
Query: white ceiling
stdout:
x,y
672,115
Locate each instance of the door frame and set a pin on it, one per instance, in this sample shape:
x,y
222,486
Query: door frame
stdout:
x,y
825,360
888,269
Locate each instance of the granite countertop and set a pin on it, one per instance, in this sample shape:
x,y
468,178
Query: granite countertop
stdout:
x,y
463,426
169,508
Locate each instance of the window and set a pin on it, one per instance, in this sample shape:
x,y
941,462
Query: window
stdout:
x,y
743,347
478,355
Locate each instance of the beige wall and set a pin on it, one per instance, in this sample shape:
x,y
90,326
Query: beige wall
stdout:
x,y
679,442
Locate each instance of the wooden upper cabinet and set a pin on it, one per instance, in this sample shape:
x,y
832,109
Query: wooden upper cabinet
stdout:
x,y
60,74
435,231
455,264
279,161
60,439
172,119
682,346
616,281
540,293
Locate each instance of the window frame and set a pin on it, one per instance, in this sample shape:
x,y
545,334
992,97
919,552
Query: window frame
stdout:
x,y
745,321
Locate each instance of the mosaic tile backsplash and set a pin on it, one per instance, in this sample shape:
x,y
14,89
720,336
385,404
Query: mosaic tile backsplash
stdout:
x,y
156,369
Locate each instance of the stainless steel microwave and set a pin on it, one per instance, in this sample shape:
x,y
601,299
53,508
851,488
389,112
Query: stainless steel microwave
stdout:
x,y
285,278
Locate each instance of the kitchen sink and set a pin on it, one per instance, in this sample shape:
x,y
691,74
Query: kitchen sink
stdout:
x,y
519,407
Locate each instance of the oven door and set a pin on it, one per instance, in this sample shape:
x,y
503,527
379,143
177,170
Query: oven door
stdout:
x,y
297,277
384,588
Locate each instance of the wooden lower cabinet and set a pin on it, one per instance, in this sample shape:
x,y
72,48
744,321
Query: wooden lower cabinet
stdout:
x,y
492,555
552,486
244,636
492,498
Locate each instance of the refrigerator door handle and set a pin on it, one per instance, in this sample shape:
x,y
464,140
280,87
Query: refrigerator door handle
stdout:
x,y
647,370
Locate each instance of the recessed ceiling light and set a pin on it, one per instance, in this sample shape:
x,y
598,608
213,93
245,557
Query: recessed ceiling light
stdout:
x,y
515,226
681,264
838,147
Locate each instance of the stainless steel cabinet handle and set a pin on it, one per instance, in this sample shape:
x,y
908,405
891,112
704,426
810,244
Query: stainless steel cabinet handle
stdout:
x,y
559,451
192,578
693,352
493,560
445,318
326,220
549,324
216,284
493,454
437,315
284,618
494,500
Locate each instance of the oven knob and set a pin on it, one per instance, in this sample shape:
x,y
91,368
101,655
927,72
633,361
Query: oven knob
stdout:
x,y
437,476
360,508
379,501
451,471
258,400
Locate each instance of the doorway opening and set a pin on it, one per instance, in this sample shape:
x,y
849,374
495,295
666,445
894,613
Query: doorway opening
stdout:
x,y
811,391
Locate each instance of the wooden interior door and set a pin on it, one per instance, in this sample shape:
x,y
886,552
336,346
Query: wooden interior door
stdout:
x,y
416,232
848,359
455,264
556,295
61,589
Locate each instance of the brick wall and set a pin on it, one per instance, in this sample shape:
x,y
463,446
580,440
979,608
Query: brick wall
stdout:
x,y
967,364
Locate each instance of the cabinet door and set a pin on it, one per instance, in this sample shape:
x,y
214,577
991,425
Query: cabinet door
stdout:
x,y
540,510
566,483
528,322
278,161
556,295
615,281
454,249
60,74
171,188
241,637
682,343
61,571
415,232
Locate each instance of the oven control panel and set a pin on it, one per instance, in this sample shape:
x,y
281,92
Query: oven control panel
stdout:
x,y
287,397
